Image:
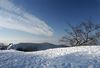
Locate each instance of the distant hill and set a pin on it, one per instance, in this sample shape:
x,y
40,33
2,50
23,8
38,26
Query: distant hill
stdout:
x,y
34,46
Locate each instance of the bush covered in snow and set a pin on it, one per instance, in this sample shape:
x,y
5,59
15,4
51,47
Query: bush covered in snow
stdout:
x,y
3,46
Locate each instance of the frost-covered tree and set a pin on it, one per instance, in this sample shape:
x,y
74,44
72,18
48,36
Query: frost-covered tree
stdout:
x,y
86,33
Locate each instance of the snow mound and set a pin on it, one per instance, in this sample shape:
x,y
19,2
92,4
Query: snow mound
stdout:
x,y
71,57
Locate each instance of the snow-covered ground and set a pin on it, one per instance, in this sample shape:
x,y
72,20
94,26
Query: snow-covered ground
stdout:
x,y
71,57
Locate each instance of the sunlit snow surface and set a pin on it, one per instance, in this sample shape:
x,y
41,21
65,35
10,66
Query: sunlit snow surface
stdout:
x,y
70,57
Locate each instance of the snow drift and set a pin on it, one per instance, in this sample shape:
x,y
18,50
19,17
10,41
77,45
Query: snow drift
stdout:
x,y
71,57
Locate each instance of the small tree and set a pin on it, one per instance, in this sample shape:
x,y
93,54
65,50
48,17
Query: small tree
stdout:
x,y
85,33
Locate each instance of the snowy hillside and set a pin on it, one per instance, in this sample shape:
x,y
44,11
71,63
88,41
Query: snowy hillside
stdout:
x,y
71,57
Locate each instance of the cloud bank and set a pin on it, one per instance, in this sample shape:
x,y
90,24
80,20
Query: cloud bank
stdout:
x,y
13,17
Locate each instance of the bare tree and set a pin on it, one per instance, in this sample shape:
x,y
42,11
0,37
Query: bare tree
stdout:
x,y
86,33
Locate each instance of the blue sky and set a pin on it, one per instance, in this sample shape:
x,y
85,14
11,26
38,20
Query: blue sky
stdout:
x,y
43,20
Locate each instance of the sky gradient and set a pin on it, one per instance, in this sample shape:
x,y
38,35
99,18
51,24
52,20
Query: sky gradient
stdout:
x,y
43,20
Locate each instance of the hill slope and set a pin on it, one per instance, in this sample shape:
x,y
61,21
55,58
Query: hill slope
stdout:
x,y
71,57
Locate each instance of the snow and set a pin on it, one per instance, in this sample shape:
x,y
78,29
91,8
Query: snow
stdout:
x,y
69,57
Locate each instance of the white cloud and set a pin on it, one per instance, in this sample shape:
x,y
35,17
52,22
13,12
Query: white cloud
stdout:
x,y
13,17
